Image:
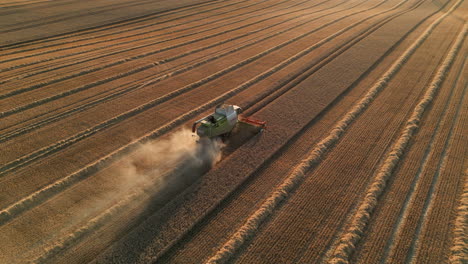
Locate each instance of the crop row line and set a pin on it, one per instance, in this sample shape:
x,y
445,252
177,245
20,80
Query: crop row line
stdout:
x,y
118,24
360,219
74,62
101,219
74,237
415,185
138,34
71,235
458,252
92,225
29,3
270,95
48,191
139,56
16,4
428,204
148,45
133,195
196,32
20,162
60,17
295,178
108,79
177,237
67,16
23,130
107,26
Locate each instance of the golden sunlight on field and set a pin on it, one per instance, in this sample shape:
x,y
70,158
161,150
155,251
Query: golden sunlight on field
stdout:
x,y
326,131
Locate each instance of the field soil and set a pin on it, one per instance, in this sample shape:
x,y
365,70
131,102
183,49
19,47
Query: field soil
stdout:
x,y
364,158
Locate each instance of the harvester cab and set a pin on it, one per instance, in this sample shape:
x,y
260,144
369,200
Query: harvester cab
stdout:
x,y
222,122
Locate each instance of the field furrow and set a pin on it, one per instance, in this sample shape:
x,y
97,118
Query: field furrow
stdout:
x,y
147,33
142,107
290,214
43,26
362,159
146,56
387,218
138,23
146,230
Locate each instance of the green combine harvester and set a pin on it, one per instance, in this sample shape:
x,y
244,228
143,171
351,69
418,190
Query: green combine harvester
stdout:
x,y
222,122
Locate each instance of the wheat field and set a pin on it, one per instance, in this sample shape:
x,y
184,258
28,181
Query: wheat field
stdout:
x,y
364,158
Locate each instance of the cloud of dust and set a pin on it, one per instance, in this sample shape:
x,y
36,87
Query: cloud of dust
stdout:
x,y
161,168
182,156
157,168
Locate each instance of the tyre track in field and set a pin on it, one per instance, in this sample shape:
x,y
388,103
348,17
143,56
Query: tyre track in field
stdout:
x,y
458,254
137,34
272,94
411,194
46,113
162,249
136,57
148,45
414,248
45,193
29,3
254,105
57,64
65,17
6,136
145,32
74,63
98,83
20,162
112,25
360,219
251,225
18,4
95,223
72,237
22,3
125,60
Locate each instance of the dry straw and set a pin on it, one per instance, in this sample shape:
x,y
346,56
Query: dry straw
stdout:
x,y
168,159
360,219
153,80
50,190
459,250
250,227
38,85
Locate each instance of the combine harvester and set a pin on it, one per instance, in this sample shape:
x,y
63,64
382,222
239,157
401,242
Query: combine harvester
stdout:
x,y
227,124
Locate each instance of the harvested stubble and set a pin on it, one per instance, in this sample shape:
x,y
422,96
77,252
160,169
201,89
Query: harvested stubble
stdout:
x,y
249,72
45,192
459,250
360,220
27,25
296,177
395,222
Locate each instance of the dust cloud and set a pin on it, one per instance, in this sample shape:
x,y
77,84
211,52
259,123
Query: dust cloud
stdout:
x,y
160,168
181,157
